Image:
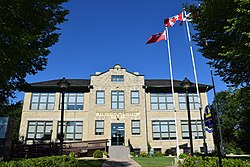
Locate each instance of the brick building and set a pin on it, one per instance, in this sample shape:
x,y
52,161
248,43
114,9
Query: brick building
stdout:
x,y
117,105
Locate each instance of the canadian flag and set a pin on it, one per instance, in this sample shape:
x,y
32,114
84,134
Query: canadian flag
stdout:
x,y
169,22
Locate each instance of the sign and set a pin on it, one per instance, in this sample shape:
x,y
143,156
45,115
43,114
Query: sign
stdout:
x,y
115,115
208,119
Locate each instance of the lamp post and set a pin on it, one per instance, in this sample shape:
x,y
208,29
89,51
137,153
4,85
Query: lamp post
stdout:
x,y
186,84
63,84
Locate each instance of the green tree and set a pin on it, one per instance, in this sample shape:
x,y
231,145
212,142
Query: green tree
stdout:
x,y
14,111
223,35
235,117
28,28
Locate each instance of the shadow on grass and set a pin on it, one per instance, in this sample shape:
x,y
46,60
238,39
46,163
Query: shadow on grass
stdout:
x,y
90,163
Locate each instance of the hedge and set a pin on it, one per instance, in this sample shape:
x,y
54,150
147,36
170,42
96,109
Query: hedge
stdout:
x,y
52,161
212,162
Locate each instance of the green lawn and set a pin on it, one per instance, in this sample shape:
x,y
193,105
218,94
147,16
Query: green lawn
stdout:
x,y
154,161
90,163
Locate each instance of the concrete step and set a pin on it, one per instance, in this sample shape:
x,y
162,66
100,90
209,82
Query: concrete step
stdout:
x,y
121,152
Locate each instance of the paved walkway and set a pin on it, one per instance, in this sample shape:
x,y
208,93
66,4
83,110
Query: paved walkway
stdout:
x,y
116,162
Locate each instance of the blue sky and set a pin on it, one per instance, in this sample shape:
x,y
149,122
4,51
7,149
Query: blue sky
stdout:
x,y
100,34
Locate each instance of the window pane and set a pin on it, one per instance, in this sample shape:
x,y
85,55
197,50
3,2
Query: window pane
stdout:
x,y
121,105
35,98
34,106
156,134
162,99
40,128
184,127
169,99
164,135
193,127
114,98
31,129
51,106
170,106
100,94
182,99
172,128
136,131
135,94
172,134
70,129
135,124
114,105
79,129
30,135
156,129
80,99
164,128
51,98
69,136
154,106
99,124
43,98
162,106
72,99
78,136
135,101
42,106
121,98
48,129
79,107
100,101
182,106
153,99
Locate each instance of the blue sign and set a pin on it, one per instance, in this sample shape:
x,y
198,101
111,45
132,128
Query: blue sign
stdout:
x,y
208,119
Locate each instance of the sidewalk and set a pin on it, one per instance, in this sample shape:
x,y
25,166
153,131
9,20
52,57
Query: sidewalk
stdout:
x,y
116,162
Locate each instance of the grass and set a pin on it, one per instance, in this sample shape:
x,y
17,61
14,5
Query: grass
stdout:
x,y
90,163
154,161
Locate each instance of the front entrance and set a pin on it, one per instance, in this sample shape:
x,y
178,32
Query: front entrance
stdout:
x,y
117,134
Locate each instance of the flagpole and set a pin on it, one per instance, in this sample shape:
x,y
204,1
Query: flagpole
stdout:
x,y
172,85
196,83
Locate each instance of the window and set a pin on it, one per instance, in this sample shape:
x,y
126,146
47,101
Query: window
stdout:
x,y
162,101
72,130
196,129
117,78
134,97
99,127
163,130
157,150
100,97
42,101
193,101
73,101
117,99
38,129
135,127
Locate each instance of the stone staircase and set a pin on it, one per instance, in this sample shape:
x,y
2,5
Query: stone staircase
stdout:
x,y
121,152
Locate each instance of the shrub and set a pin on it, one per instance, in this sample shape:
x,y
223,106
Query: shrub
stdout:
x,y
105,153
98,154
143,154
211,162
55,161
158,154
132,154
182,156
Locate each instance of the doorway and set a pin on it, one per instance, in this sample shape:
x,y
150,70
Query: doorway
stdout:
x,y
117,134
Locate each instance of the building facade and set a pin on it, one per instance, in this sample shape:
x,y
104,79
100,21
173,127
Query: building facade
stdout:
x,y
117,105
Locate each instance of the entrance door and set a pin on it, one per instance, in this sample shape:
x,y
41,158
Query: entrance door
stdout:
x,y
117,134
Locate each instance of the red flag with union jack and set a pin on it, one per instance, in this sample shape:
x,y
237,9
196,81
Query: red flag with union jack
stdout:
x,y
157,37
